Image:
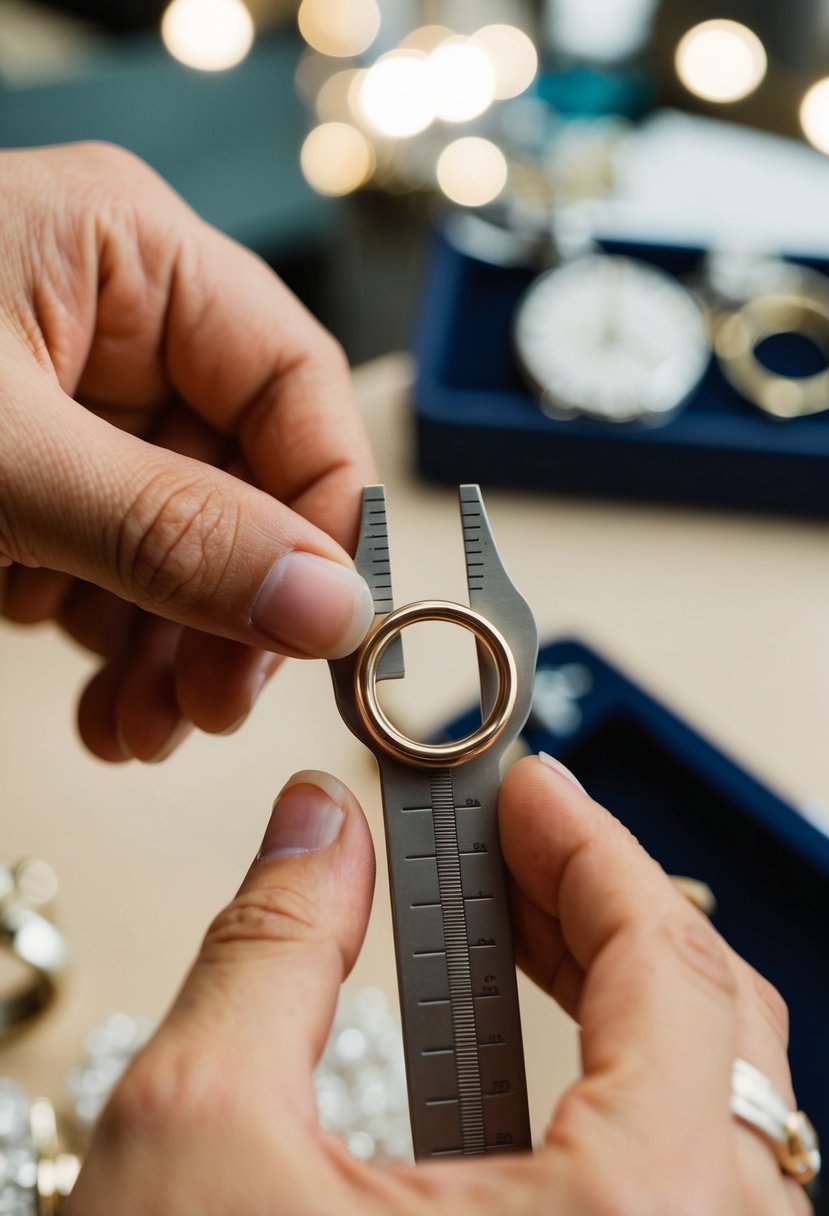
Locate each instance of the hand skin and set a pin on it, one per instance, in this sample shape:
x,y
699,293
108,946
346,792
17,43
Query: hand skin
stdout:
x,y
216,1117
173,423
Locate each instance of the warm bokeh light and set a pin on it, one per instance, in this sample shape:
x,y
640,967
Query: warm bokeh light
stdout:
x,y
336,158
311,73
472,171
333,101
211,35
814,115
426,38
463,78
512,54
396,96
721,61
335,27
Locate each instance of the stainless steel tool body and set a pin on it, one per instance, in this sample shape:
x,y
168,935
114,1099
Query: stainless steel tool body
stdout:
x,y
455,965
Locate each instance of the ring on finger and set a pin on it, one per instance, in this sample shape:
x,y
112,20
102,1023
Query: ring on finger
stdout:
x,y
756,1102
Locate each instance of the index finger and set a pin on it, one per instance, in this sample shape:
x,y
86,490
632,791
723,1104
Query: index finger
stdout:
x,y
247,356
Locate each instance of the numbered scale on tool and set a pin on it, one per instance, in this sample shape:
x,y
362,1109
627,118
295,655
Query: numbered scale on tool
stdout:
x,y
455,963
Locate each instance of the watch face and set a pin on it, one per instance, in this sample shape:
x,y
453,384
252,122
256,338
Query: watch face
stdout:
x,y
610,338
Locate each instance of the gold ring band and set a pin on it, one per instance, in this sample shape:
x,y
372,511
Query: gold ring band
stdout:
x,y
740,333
28,932
384,733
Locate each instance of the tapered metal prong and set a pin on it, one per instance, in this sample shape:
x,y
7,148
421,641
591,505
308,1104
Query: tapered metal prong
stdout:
x,y
373,562
493,594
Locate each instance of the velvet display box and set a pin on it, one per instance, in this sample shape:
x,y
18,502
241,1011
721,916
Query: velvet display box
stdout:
x,y
701,815
477,420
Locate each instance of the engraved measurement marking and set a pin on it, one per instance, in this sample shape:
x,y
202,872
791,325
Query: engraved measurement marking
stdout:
x,y
473,535
438,1051
442,1101
457,962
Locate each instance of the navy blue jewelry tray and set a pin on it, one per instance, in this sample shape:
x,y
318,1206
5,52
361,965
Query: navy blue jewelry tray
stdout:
x,y
699,814
477,421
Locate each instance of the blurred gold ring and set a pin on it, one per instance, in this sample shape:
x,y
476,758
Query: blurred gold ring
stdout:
x,y
56,1172
740,333
29,934
385,733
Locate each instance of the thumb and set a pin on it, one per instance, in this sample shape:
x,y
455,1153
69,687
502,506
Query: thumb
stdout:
x,y
264,988
180,538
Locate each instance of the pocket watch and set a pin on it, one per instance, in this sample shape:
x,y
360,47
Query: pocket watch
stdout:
x,y
610,338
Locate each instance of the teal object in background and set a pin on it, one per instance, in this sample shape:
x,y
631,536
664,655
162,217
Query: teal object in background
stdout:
x,y
228,141
583,91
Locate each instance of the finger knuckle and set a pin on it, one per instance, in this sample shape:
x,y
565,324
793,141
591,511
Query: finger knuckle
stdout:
x,y
112,165
772,1005
173,546
331,352
702,950
278,915
165,1092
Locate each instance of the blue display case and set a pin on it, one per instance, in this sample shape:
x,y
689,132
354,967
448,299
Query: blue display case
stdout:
x,y
701,815
477,420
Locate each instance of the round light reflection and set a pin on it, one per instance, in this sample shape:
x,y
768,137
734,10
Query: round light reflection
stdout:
x,y
426,38
334,27
463,78
211,35
336,158
513,56
333,101
396,95
472,171
814,115
721,61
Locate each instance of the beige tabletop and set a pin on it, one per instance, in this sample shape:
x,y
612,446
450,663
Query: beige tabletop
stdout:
x,y
724,616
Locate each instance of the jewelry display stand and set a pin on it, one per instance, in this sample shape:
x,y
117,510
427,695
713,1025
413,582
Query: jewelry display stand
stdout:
x,y
477,420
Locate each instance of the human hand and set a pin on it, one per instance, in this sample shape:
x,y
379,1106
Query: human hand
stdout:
x,y
180,456
217,1116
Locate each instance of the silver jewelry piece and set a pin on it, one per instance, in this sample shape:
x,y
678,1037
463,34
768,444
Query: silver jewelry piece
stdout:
x,y
18,1160
360,1081
789,1132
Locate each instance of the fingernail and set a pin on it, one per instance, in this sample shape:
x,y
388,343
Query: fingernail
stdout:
x,y
176,736
314,605
307,816
259,682
123,747
560,768
234,726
